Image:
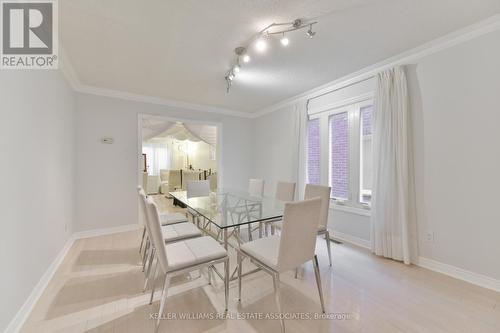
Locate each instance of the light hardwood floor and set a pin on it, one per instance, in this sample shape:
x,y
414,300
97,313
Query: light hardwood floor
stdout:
x,y
98,288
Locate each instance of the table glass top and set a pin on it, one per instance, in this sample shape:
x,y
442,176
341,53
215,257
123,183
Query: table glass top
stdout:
x,y
229,208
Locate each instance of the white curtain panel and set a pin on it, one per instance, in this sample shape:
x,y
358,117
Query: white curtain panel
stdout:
x,y
299,162
153,126
158,157
206,133
390,202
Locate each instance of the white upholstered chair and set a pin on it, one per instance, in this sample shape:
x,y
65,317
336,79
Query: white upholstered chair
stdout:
x,y
174,180
171,233
323,192
166,218
183,257
256,187
164,174
198,188
213,181
285,191
295,246
189,175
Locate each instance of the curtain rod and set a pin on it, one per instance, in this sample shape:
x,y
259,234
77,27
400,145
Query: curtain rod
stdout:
x,y
340,88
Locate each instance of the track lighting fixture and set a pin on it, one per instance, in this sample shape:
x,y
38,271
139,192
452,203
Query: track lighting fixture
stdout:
x,y
260,42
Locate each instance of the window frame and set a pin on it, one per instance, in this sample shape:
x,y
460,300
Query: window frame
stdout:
x,y
352,107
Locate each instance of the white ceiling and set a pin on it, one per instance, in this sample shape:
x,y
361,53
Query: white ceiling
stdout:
x,y
181,49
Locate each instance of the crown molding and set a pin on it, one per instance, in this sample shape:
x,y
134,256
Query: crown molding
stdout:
x,y
67,69
439,44
85,89
74,81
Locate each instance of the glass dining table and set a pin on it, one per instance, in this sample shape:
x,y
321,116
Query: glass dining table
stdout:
x,y
230,209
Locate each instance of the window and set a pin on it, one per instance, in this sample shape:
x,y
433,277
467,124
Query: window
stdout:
x,y
339,155
313,153
156,157
339,152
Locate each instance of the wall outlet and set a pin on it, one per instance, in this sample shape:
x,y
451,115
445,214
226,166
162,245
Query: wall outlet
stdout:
x,y
429,236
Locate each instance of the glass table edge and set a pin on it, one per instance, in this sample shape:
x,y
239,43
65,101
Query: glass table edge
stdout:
x,y
267,219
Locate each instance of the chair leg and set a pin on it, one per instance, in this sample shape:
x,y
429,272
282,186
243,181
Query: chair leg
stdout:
x,y
273,229
142,240
163,302
249,232
145,250
296,272
150,261
276,284
226,282
210,275
318,282
148,271
155,276
328,247
240,261
260,230
146,255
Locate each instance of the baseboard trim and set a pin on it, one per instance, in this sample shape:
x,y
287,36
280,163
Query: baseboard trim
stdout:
x,y
346,238
459,273
18,321
105,231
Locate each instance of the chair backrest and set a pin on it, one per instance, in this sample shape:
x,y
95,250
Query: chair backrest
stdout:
x,y
164,175
189,175
142,204
174,179
156,234
285,191
298,234
323,192
256,187
198,188
213,181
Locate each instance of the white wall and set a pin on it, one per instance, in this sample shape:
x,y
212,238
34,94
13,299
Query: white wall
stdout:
x,y
200,158
37,123
107,174
274,148
456,117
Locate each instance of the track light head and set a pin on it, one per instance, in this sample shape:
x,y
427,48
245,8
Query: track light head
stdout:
x,y
284,40
261,45
310,33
